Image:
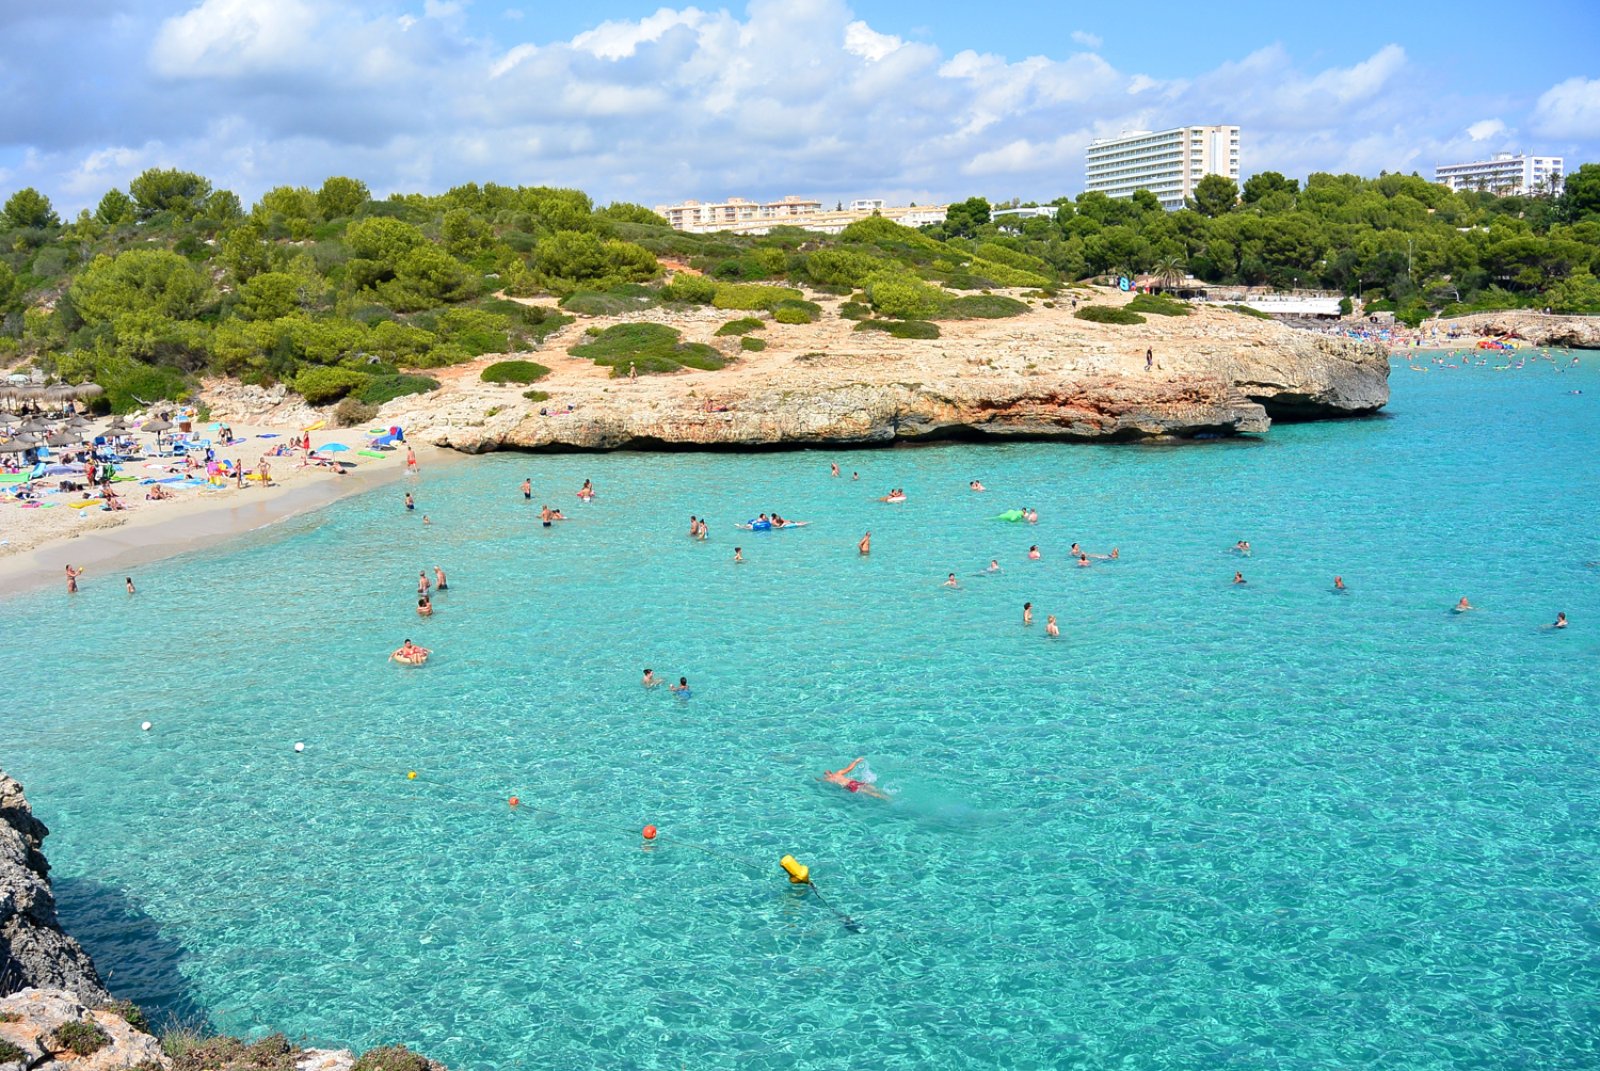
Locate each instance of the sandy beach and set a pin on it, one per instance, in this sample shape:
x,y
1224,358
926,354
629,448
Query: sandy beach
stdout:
x,y
36,545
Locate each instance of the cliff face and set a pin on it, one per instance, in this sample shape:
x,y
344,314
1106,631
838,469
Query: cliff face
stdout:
x,y
33,950
1581,332
1043,375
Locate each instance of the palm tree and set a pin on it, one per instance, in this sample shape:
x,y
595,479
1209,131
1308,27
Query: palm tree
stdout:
x,y
1170,272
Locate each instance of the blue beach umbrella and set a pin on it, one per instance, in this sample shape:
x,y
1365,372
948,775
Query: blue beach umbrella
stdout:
x,y
331,448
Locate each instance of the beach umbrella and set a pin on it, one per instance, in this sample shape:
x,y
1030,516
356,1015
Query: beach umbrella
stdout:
x,y
61,438
88,390
331,448
15,446
157,425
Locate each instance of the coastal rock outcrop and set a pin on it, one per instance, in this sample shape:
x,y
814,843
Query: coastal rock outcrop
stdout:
x,y
1539,328
1045,375
33,950
53,1030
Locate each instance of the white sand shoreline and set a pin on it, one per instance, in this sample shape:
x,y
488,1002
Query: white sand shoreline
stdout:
x,y
200,522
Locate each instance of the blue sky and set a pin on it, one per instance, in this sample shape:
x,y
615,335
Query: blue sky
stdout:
x,y
924,101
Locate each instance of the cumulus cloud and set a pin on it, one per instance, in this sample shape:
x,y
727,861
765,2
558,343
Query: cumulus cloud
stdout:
x,y
1570,109
784,96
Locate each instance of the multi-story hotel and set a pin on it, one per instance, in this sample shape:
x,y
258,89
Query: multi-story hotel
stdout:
x,y
1168,163
740,216
1506,173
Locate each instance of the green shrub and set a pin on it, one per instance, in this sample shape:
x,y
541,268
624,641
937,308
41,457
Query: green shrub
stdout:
x,y
384,389
983,307
901,328
752,296
854,310
691,289
1158,305
742,326
9,1053
321,385
1248,311
190,1050
536,395
617,301
797,311
792,316
523,372
1345,307
899,293
649,348
80,1036
1105,314
752,345
352,413
390,1058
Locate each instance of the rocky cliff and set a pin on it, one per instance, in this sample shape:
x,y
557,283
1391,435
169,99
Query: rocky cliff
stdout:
x,y
33,950
1541,329
1044,375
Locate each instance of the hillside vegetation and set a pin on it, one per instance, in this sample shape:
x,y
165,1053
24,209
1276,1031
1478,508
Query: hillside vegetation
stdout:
x,y
336,294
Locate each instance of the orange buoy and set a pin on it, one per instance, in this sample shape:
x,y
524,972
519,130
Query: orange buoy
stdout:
x,y
649,832
515,801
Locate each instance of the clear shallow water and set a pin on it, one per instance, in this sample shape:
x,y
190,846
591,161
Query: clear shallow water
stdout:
x,y
1209,826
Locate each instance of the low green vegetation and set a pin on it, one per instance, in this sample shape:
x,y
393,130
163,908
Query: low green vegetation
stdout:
x,y
901,328
854,310
191,1050
753,297
382,389
742,326
1157,305
982,307
10,1054
752,345
81,1037
1106,314
617,301
536,395
1246,310
390,1058
520,372
353,413
647,349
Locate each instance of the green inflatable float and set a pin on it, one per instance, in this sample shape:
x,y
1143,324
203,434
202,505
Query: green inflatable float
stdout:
x,y
1010,515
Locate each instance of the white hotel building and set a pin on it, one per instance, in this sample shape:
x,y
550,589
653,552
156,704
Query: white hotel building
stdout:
x,y
1505,174
737,215
1168,163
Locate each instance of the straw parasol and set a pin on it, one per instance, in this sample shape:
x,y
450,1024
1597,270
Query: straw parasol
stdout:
x,y
15,446
157,425
86,391
62,438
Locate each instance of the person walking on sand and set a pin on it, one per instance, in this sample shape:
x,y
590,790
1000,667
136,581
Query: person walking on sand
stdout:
x,y
633,373
865,546
1149,359
411,460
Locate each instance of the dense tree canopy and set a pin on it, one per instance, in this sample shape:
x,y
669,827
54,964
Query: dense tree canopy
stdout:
x,y
329,290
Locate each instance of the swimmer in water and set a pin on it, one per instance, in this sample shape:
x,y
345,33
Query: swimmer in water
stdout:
x,y
1238,578
422,582
545,516
1027,614
438,579
411,503
1074,550
1463,606
834,465
950,581
424,606
1242,547
426,519
855,475
1083,561
1561,620
682,687
1050,627
1338,583
586,491
738,554
1032,515
129,581
694,526
994,566
650,679
1033,553
977,485
843,779
865,546
527,490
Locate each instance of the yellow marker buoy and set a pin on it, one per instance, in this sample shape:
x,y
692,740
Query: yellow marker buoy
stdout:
x,y
411,775
799,874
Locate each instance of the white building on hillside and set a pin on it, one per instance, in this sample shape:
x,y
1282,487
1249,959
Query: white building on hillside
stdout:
x,y
1505,173
1168,163
739,216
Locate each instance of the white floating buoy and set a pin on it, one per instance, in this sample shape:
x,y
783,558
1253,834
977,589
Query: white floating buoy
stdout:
x,y
299,747
145,726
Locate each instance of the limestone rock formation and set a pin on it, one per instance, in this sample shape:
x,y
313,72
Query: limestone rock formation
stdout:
x,y
52,1030
33,950
1541,329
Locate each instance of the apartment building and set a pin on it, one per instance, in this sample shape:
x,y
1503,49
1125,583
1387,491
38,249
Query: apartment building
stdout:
x,y
1504,173
1168,163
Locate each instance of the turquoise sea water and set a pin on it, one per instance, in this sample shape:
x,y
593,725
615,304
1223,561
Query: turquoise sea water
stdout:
x,y
1266,826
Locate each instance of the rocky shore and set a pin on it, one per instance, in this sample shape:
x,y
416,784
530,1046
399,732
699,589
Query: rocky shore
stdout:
x,y
56,1014
1043,375
1539,328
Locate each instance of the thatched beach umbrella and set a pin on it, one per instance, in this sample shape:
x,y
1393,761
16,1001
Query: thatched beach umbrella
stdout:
x,y
15,446
157,425
62,438
85,391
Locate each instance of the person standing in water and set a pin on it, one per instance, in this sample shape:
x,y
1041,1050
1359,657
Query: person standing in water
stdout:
x,y
411,461
681,688
527,490
1027,614
422,582
411,503
1050,628
128,580
438,577
738,554
834,465
865,546
1338,583
650,679
950,581
1561,621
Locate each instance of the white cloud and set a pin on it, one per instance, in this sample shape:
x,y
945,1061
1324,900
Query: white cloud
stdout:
x,y
862,40
231,37
1484,129
621,38
1086,39
1570,109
